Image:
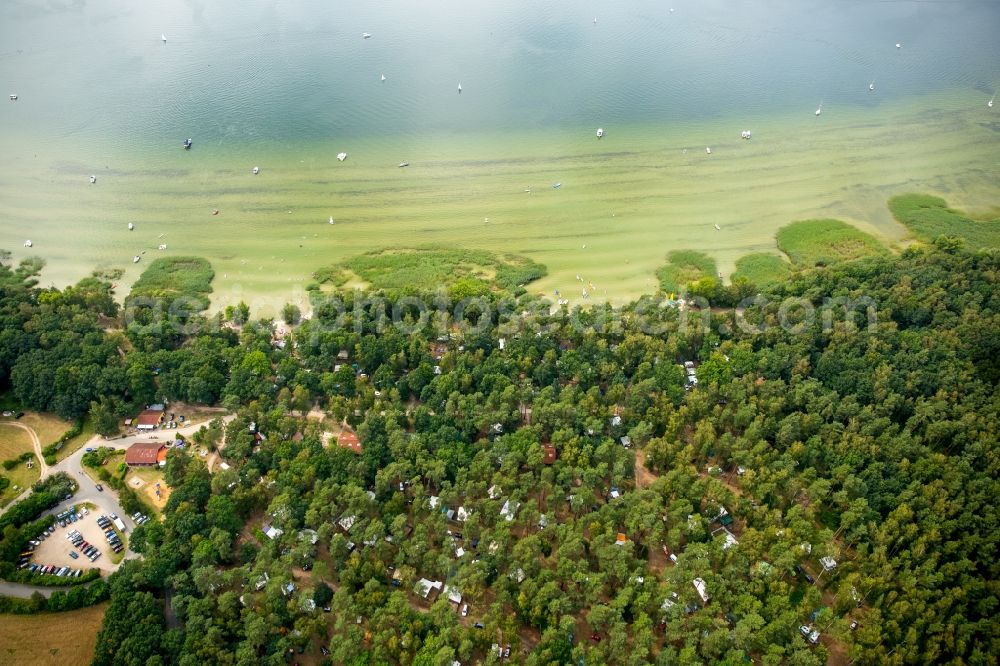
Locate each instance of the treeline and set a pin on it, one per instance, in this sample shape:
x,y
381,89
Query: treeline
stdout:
x,y
805,438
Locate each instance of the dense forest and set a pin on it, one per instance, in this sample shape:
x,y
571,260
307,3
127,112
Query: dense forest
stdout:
x,y
656,484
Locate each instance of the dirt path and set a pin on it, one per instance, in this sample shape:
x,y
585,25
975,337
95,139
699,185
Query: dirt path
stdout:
x,y
643,477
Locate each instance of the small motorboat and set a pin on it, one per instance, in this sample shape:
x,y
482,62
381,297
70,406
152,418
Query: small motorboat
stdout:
x,y
459,88
215,211
366,35
341,156
898,45
187,144
331,219
746,134
27,243
93,179
556,186
131,226
600,132
256,170
708,150
718,228
871,87
403,164
162,246
382,78
136,259
989,104
819,109
13,98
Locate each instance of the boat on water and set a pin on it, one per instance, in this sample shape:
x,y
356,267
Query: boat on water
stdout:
x,y
93,179
256,170
164,38
718,228
27,243
331,219
383,77
459,88
13,98
819,109
187,144
898,45
341,156
600,132
556,186
162,246
136,259
871,86
403,164
708,150
989,104
746,134
366,35
131,226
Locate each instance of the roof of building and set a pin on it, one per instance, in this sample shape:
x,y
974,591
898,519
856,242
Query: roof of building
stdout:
x,y
150,417
349,440
145,453
550,454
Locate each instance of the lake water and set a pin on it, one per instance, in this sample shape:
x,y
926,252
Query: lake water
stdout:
x,y
289,84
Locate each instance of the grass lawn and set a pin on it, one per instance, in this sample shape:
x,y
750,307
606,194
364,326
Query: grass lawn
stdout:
x,y
48,427
77,442
684,267
929,217
762,268
821,242
65,639
14,442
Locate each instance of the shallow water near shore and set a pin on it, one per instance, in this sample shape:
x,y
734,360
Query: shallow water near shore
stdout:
x,y
287,91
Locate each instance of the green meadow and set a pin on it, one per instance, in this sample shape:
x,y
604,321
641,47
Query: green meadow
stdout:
x,y
929,217
625,202
820,242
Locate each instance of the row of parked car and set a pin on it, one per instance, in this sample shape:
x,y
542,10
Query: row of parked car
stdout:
x,y
53,570
87,548
109,533
140,518
68,517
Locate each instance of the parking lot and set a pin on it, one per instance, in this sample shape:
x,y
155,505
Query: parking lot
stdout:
x,y
56,548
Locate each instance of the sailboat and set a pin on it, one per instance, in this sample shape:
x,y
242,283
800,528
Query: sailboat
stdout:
x,y
331,219
989,104
819,109
459,88
871,86
164,38
131,226
383,77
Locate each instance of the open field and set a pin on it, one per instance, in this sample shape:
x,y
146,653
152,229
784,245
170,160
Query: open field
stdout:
x,y
48,427
63,639
625,202
14,442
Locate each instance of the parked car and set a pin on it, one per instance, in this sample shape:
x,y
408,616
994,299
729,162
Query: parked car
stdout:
x,y
73,555
100,488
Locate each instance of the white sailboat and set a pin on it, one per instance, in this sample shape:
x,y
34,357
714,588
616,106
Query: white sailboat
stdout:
x,y
383,77
708,150
459,88
819,109
871,86
331,219
989,104
256,170
131,226
164,38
